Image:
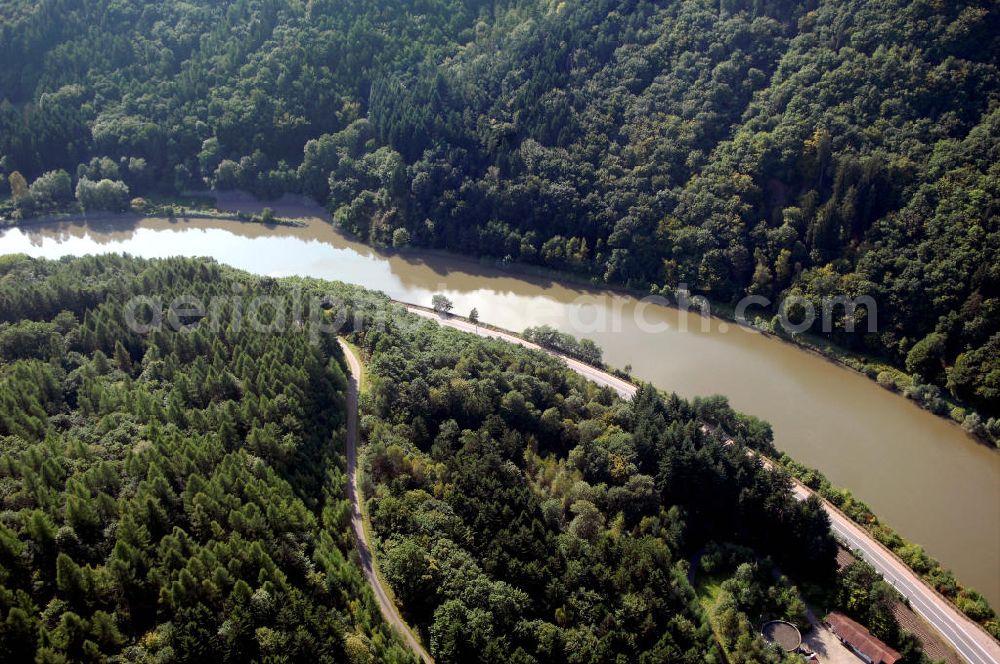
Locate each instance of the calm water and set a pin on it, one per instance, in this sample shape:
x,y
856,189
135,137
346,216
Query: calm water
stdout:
x,y
921,474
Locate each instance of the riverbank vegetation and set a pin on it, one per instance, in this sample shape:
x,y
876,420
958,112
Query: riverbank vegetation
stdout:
x,y
912,386
584,350
168,206
778,148
176,496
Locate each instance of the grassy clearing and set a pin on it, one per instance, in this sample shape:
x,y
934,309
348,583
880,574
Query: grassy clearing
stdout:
x,y
708,587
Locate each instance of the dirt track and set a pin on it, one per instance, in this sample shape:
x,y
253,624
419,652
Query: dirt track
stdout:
x,y
389,611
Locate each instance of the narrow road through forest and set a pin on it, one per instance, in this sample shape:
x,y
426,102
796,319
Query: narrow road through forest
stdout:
x,y
968,638
389,611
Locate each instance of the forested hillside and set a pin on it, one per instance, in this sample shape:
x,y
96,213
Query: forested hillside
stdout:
x,y
176,496
769,147
179,494
527,515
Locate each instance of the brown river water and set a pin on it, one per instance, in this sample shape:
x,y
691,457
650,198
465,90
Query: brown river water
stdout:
x,y
921,474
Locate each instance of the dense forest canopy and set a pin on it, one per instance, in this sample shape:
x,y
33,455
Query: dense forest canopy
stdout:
x,y
177,496
525,514
177,493
772,147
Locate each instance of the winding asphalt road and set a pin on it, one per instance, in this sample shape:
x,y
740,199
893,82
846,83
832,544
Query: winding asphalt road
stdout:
x,y
968,639
389,611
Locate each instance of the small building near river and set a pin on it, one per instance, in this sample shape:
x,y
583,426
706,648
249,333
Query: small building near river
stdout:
x,y
861,642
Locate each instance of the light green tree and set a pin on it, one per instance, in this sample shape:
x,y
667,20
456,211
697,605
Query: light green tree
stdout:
x,y
442,304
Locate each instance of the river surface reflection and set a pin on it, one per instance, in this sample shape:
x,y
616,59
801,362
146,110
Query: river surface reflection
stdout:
x,y
921,474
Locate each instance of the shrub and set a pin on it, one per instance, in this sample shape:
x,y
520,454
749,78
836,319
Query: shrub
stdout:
x,y
400,238
973,424
52,189
887,380
111,195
